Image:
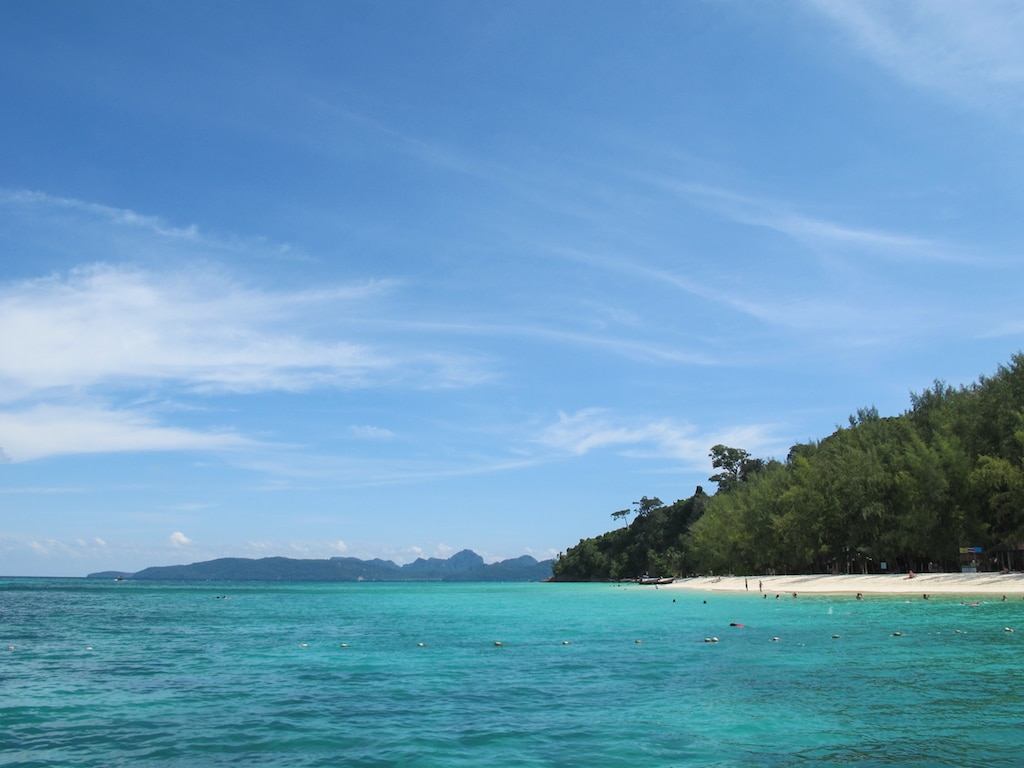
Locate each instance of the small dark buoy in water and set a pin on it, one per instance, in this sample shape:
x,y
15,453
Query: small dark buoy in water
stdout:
x,y
897,634
735,624
835,637
637,642
775,639
566,642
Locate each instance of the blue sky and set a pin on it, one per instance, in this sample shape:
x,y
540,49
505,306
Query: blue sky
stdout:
x,y
394,279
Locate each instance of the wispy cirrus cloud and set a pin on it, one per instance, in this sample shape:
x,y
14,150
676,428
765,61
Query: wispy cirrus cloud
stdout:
x,y
592,429
29,203
970,51
299,469
832,314
370,432
814,232
46,430
107,325
630,348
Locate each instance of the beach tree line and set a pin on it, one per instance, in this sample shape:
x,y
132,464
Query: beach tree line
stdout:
x,y
908,491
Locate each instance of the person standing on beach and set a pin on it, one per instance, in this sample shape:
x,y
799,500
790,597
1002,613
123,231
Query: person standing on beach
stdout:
x,y
746,585
760,586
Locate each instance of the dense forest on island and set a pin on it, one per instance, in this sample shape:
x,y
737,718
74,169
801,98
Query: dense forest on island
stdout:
x,y
909,491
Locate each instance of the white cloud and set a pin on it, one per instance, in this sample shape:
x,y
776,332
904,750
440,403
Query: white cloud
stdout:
x,y
99,542
179,539
632,348
115,325
592,429
970,51
369,432
189,506
43,490
340,546
812,231
52,430
46,208
294,467
444,550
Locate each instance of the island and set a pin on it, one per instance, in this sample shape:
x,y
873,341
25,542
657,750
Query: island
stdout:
x,y
462,566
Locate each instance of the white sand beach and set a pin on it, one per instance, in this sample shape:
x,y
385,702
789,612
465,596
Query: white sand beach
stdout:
x,y
923,583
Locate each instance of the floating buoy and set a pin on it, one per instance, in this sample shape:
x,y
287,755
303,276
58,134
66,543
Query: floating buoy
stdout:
x,y
714,639
1007,629
735,624
10,647
498,643
303,645
835,637
637,642
343,645
88,647
775,639
421,645
897,634
566,642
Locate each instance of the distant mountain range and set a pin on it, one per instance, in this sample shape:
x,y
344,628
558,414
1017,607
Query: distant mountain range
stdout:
x,y
462,566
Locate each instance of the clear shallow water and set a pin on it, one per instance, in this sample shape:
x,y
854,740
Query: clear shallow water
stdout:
x,y
177,677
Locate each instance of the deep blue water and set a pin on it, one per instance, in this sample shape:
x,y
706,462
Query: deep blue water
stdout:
x,y
179,677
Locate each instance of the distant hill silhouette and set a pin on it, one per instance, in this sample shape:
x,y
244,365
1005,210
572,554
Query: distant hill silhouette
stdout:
x,y
462,566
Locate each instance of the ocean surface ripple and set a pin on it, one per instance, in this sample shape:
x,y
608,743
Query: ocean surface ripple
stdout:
x,y
209,674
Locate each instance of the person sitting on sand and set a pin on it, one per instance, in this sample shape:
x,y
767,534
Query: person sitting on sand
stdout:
x,y
911,575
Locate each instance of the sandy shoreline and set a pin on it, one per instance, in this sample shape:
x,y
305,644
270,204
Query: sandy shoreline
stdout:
x,y
878,584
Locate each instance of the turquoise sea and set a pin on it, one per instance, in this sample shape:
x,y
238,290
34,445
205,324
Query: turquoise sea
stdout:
x,y
216,674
